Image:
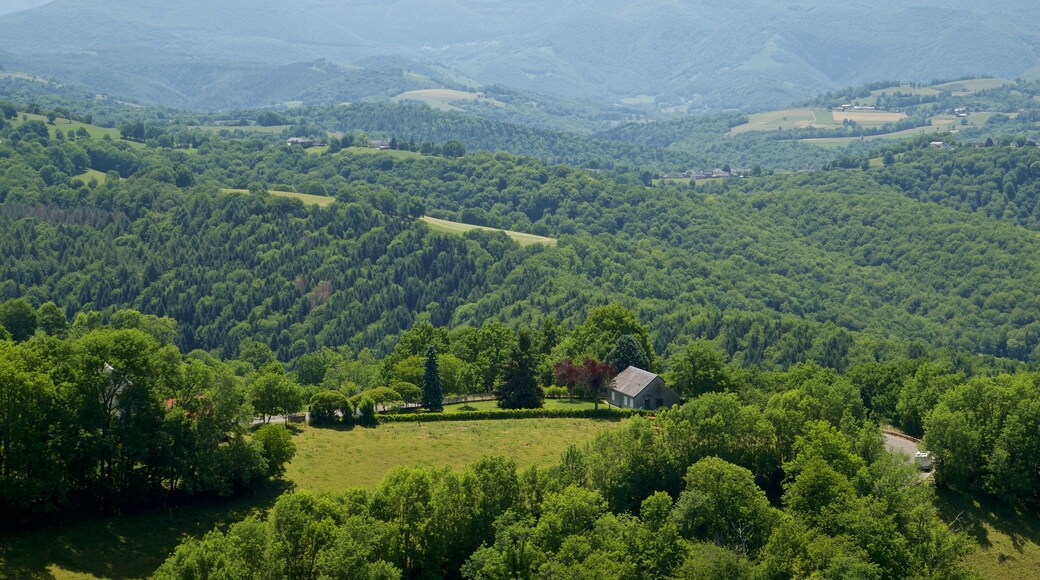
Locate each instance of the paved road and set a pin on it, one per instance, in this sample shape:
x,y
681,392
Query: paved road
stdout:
x,y
898,444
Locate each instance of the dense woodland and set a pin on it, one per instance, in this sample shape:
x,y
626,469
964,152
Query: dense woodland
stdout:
x,y
148,314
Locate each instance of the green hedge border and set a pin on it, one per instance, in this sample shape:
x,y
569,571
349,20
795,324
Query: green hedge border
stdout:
x,y
605,413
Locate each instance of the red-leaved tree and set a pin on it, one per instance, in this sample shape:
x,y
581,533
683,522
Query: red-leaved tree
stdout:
x,y
592,374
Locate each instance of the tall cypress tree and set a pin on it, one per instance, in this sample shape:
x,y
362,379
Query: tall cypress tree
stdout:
x,y
518,388
432,393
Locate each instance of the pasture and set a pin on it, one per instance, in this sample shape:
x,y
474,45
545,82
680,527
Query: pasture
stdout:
x,y
66,125
450,227
443,99
306,198
867,117
274,129
776,120
89,174
972,86
334,460
134,545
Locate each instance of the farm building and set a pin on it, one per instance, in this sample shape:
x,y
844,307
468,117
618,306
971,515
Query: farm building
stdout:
x,y
635,388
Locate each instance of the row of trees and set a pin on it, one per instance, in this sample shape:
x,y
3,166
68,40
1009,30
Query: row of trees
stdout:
x,y
96,417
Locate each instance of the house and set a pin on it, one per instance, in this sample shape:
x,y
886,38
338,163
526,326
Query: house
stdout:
x,y
301,141
380,144
635,388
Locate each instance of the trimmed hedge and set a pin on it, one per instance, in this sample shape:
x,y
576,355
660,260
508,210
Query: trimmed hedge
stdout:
x,y
604,413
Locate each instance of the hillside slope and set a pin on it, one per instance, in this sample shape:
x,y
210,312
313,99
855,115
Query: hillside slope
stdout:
x,y
754,54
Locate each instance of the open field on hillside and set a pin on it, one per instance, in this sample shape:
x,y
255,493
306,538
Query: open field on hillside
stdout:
x,y
904,89
450,227
66,125
938,126
774,120
306,198
971,86
133,546
334,460
1009,539
244,128
819,118
24,77
89,174
868,117
442,98
395,153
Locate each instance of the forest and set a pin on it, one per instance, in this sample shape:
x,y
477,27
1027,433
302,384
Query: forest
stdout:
x,y
163,291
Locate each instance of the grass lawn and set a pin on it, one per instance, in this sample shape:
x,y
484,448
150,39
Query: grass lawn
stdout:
x,y
450,227
306,198
335,460
1009,540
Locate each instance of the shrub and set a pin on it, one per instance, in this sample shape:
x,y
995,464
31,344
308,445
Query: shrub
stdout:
x,y
367,412
324,406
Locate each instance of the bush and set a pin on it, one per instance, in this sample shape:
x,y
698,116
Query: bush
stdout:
x,y
604,413
367,411
324,406
277,445
555,392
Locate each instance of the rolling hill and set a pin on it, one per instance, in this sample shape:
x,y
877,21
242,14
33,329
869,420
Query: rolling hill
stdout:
x,y
708,54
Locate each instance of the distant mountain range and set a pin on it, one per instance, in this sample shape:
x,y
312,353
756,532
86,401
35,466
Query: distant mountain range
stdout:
x,y
752,54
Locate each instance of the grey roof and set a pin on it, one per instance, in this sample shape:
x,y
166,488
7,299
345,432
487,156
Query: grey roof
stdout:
x,y
632,381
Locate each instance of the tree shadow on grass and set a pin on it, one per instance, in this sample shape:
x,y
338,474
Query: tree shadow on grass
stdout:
x,y
127,546
972,515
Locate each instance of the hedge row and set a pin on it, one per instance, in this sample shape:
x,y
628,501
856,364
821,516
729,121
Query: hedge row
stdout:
x,y
604,413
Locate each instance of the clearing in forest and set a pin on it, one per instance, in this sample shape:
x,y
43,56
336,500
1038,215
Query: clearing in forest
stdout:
x,y
443,98
450,227
306,198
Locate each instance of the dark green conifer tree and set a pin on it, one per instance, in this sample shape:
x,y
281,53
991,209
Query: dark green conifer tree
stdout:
x,y
433,394
518,388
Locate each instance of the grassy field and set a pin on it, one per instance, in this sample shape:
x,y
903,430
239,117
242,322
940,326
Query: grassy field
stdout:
x,y
819,118
938,125
905,89
395,153
66,125
774,120
89,174
972,86
131,546
442,98
306,198
243,128
523,239
867,118
1009,540
334,460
